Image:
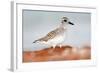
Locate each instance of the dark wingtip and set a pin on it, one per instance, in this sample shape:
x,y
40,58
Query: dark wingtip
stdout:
x,y
34,41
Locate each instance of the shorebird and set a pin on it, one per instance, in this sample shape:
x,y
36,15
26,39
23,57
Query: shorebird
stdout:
x,y
56,36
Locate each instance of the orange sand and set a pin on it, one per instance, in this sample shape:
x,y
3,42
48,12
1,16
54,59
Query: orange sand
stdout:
x,y
57,54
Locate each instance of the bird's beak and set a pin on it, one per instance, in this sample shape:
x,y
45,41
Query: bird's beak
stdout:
x,y
71,23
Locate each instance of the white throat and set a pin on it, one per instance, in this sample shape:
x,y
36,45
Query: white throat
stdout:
x,y
63,25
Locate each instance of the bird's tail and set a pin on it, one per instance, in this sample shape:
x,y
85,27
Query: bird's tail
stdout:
x,y
35,41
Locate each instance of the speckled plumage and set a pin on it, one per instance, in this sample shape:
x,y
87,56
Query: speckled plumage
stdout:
x,y
56,36
52,34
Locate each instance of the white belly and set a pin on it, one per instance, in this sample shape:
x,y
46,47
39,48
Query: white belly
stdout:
x,y
57,40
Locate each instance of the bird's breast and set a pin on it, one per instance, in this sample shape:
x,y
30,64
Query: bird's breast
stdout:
x,y
56,40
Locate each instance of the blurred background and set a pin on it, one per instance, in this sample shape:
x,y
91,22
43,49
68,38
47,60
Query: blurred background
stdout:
x,y
37,24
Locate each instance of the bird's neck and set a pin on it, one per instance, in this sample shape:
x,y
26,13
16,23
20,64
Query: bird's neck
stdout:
x,y
63,25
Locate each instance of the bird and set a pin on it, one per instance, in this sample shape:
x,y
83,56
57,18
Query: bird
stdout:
x,y
56,36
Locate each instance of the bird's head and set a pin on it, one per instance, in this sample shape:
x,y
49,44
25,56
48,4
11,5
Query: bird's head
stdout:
x,y
65,20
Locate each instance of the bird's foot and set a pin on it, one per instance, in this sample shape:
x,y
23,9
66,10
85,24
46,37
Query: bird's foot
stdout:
x,y
60,46
51,50
54,46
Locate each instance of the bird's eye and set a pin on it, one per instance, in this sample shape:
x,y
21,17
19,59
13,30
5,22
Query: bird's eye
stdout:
x,y
65,20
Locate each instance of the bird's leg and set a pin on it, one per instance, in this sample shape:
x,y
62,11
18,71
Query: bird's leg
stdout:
x,y
60,46
54,46
52,49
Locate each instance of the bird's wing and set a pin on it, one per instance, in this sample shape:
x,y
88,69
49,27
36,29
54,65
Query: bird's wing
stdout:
x,y
50,35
